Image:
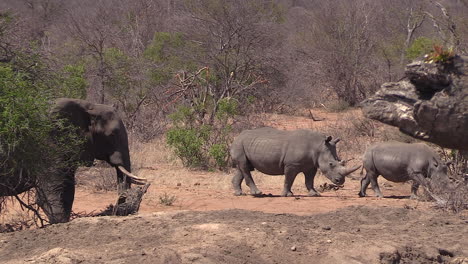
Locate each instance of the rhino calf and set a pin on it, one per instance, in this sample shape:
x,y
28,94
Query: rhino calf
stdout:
x,y
277,152
400,162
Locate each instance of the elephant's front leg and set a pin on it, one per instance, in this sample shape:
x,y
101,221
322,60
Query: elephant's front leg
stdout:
x,y
309,182
290,175
55,197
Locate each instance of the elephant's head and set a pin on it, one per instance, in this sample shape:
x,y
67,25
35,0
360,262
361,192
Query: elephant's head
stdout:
x,y
329,163
105,139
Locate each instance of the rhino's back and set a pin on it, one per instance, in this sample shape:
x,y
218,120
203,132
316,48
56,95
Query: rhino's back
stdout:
x,y
268,148
393,160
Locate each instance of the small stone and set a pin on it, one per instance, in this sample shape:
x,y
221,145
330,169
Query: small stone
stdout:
x,y
358,230
326,228
293,248
329,241
196,184
179,184
264,223
247,229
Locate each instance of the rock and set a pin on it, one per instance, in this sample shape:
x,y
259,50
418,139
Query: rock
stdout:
x,y
293,248
430,104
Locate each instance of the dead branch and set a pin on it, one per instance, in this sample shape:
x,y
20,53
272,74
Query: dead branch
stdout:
x,y
314,118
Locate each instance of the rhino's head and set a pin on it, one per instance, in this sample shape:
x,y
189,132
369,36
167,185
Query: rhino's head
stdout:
x,y
437,172
330,164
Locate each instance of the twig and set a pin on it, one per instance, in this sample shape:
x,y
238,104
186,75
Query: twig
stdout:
x,y
32,209
313,118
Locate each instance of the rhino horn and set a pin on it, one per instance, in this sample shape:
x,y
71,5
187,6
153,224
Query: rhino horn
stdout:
x,y
351,170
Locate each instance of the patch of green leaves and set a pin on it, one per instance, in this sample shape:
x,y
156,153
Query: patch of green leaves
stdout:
x,y
419,47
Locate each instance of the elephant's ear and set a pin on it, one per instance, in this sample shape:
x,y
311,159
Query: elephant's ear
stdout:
x,y
75,110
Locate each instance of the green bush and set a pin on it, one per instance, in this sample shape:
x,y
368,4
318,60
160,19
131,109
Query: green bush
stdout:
x,y
199,143
187,144
32,142
73,82
219,152
24,123
419,47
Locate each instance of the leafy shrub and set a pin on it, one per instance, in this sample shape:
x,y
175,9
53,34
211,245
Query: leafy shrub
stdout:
x,y
199,143
167,199
72,81
440,55
219,152
188,145
419,47
24,124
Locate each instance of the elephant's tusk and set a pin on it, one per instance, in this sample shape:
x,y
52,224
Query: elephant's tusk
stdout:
x,y
134,179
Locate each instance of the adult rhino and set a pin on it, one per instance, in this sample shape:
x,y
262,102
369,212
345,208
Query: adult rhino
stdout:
x,y
277,152
401,162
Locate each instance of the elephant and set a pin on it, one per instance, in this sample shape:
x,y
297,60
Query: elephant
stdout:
x,y
277,152
104,138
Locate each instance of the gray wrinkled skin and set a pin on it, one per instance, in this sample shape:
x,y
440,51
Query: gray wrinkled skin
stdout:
x,y
277,152
401,162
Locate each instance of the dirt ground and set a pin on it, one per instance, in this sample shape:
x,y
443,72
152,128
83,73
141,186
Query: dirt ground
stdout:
x,y
207,224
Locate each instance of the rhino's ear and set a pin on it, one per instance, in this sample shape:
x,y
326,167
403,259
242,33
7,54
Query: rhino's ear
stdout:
x,y
328,139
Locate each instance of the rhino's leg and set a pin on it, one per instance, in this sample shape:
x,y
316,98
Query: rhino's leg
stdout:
x,y
290,175
249,181
375,184
309,182
414,190
364,184
371,177
237,181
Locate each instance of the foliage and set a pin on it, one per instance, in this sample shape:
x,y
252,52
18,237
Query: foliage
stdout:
x,y
167,52
199,143
188,143
440,55
26,129
72,81
24,124
419,47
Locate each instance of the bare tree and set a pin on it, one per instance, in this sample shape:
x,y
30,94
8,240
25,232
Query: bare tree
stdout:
x,y
343,37
236,44
414,21
95,28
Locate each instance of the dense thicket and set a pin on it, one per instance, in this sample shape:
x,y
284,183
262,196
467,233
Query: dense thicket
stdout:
x,y
206,60
27,130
